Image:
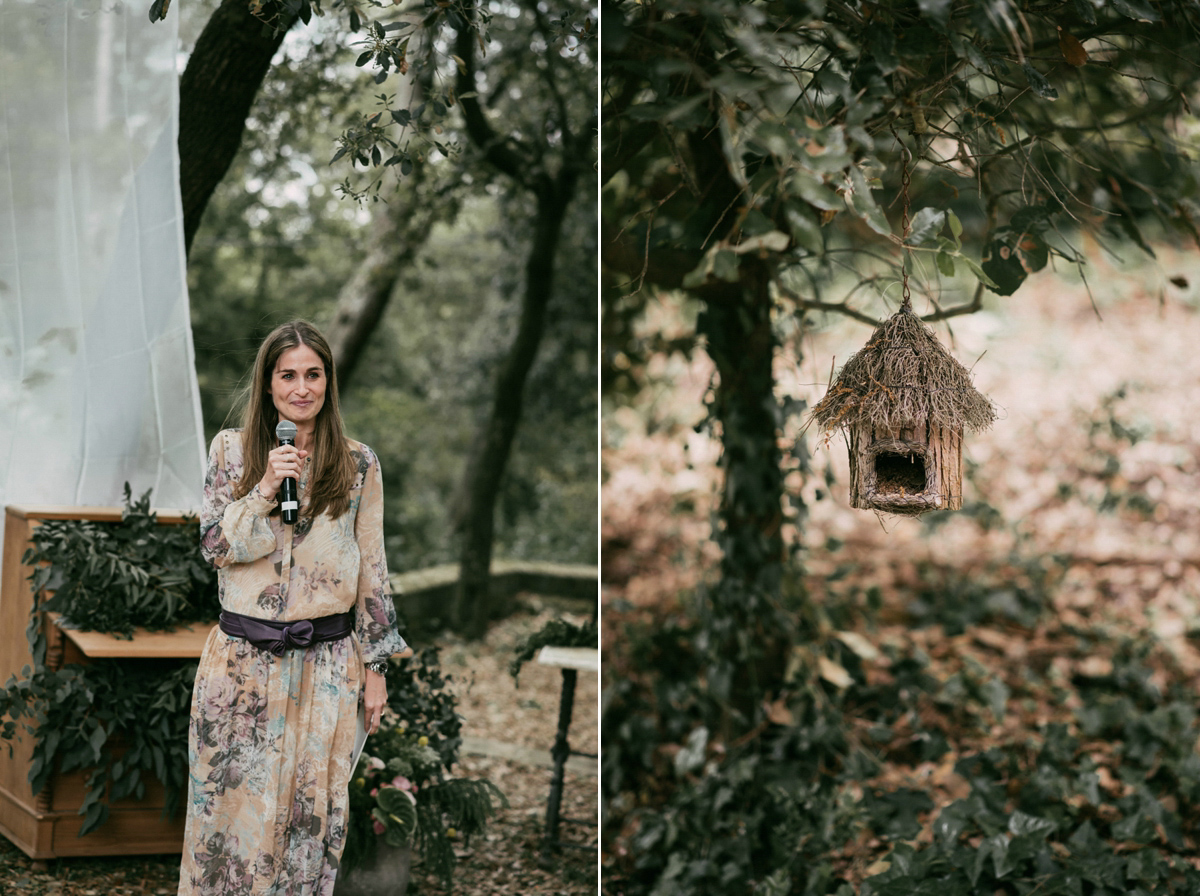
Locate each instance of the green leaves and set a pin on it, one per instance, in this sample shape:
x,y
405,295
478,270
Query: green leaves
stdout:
x,y
397,812
557,632
1038,82
691,758
93,717
928,231
422,746
113,577
1012,255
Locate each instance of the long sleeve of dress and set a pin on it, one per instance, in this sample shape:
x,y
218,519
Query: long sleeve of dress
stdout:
x,y
232,531
376,614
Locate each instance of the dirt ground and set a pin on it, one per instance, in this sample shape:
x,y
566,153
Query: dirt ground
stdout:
x,y
495,711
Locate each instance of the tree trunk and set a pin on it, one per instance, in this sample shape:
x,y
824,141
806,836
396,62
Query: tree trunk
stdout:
x,y
217,89
747,630
400,229
364,298
485,470
742,345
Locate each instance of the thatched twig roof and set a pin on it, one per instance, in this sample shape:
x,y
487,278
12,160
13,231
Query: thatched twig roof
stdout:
x,y
901,376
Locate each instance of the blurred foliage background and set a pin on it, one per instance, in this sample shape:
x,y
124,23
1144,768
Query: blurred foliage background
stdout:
x,y
801,699
279,239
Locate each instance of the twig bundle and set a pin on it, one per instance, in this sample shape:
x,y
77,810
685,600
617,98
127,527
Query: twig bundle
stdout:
x,y
903,376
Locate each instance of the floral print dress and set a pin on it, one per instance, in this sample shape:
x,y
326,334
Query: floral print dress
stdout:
x,y
270,738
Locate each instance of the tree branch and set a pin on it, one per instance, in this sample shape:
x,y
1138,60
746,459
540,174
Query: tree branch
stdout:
x,y
843,307
496,149
954,311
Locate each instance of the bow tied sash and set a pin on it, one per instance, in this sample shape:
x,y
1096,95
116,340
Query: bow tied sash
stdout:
x,y
279,637
298,634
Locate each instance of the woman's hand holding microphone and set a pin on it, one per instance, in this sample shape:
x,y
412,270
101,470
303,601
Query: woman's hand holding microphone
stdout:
x,y
284,462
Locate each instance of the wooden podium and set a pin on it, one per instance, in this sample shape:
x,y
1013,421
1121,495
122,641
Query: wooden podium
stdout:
x,y
47,825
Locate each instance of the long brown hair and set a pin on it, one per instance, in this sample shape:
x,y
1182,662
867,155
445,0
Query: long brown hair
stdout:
x,y
334,468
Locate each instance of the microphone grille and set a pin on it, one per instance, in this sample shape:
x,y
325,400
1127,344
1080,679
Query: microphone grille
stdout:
x,y
285,430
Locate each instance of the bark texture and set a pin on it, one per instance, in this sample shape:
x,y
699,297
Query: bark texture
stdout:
x,y
485,471
552,183
398,235
216,92
740,340
363,299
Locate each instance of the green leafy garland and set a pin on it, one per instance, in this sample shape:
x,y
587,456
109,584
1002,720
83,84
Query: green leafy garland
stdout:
x,y
95,717
111,577
555,633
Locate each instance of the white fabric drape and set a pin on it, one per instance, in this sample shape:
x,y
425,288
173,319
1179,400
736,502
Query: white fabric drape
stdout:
x,y
97,376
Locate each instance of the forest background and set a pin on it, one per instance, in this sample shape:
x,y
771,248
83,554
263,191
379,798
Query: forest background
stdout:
x,y
289,234
801,698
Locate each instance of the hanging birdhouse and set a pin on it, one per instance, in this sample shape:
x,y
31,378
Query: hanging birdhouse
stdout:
x,y
904,403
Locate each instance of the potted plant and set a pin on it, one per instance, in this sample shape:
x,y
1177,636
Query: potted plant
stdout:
x,y
403,798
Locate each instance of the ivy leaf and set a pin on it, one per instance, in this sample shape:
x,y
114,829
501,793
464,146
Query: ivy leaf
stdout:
x,y
1038,82
1019,823
937,11
996,693
925,225
691,757
996,848
1011,257
1134,10
949,825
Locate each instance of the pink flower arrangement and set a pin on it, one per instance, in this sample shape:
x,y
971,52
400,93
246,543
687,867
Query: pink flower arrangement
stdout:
x,y
404,784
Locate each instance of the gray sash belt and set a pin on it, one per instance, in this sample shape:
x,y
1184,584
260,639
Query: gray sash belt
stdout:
x,y
276,636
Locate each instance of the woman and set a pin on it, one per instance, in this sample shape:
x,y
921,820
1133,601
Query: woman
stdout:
x,y
305,608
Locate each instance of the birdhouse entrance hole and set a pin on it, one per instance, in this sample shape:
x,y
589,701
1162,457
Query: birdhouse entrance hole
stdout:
x,y
902,474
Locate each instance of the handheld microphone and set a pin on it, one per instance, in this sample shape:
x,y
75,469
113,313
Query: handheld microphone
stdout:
x,y
288,503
